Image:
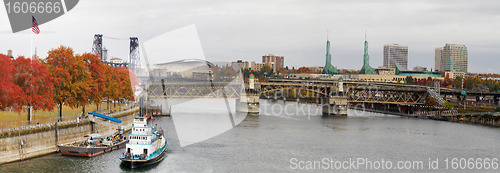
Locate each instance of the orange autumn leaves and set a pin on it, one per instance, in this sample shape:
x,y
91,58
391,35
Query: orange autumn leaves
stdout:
x,y
24,82
62,78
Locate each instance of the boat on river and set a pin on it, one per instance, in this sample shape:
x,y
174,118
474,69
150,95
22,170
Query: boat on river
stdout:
x,y
93,146
146,145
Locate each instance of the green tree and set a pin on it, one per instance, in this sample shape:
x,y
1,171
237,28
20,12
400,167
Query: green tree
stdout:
x,y
458,82
268,69
409,80
448,105
496,87
469,83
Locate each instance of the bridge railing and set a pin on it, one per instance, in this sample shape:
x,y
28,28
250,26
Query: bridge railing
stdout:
x,y
436,113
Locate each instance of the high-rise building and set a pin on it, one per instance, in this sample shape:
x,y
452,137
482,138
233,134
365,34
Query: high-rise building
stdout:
x,y
394,53
438,59
279,61
455,57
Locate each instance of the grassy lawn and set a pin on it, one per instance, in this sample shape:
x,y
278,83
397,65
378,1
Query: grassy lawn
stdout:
x,y
15,119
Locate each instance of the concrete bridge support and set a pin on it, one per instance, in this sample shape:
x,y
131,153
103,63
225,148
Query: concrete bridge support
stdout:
x,y
335,105
248,103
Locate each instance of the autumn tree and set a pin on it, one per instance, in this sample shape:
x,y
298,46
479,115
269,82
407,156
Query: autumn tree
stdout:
x,y
134,80
97,71
9,92
430,101
110,84
72,86
124,84
303,70
36,84
429,82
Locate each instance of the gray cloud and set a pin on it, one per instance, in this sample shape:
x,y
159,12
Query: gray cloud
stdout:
x,y
231,30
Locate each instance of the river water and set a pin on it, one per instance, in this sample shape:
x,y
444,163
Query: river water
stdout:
x,y
288,137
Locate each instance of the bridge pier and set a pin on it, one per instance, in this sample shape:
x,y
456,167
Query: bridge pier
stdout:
x,y
248,103
335,105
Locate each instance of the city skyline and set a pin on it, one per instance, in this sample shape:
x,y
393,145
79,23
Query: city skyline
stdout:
x,y
236,30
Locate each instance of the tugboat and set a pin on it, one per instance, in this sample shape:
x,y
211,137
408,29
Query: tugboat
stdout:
x,y
146,145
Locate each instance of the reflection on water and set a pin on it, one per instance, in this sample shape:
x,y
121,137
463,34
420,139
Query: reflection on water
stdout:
x,y
268,141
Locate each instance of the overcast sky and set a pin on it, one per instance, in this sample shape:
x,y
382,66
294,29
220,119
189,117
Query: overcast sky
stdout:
x,y
230,30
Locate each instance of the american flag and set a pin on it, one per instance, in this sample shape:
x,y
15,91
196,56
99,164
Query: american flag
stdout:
x,y
35,26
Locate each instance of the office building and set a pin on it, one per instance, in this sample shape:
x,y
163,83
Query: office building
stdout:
x,y
258,66
454,74
455,57
381,70
394,53
438,59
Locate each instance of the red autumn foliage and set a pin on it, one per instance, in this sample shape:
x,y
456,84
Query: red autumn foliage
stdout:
x,y
63,78
73,84
9,92
36,84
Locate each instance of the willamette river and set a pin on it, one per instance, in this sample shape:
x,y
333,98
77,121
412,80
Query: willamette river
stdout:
x,y
288,136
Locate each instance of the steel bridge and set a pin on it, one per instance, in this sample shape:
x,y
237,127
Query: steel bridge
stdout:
x,y
356,92
194,90
386,95
221,90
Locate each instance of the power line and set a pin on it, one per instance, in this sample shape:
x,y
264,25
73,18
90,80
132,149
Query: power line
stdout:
x,y
115,38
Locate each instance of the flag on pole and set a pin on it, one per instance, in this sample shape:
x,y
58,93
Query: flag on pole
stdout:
x,y
35,26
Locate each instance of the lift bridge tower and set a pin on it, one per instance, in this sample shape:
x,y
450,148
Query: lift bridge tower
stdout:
x,y
135,59
97,46
134,63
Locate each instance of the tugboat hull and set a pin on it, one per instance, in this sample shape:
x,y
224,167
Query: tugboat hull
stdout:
x,y
137,163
